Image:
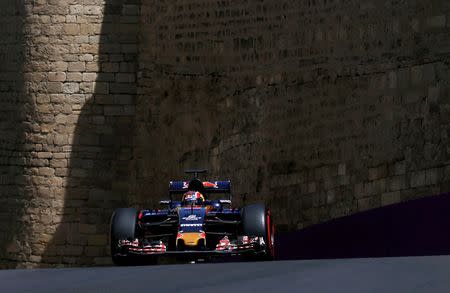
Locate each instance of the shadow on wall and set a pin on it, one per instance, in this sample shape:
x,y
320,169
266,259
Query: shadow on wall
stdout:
x,y
13,111
415,228
100,168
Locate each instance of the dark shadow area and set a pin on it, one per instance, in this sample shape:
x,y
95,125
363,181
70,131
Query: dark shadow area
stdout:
x,y
99,172
414,228
13,126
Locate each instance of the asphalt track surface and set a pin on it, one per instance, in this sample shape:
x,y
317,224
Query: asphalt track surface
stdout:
x,y
412,274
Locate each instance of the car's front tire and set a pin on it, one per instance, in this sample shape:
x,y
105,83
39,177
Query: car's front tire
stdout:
x,y
257,222
123,227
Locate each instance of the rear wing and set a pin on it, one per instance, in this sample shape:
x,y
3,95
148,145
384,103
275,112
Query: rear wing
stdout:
x,y
177,187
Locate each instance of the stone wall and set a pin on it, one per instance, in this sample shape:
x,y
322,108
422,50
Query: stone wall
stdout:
x,y
319,108
13,124
79,64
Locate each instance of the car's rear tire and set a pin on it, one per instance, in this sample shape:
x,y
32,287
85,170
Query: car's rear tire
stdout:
x,y
123,227
257,222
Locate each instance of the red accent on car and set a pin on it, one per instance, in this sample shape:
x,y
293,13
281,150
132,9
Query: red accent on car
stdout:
x,y
270,233
209,184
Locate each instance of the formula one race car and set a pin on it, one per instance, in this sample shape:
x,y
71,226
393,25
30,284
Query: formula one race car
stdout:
x,y
196,226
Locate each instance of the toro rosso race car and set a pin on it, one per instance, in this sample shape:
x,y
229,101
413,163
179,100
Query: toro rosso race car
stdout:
x,y
195,226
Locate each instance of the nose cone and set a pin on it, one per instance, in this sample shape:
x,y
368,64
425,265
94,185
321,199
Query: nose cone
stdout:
x,y
191,239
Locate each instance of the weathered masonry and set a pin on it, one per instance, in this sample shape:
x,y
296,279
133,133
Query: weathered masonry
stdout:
x,y
319,108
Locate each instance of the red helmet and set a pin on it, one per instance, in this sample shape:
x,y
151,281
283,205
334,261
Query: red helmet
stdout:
x,y
193,197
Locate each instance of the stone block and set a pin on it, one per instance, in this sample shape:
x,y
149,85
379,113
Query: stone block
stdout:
x,y
418,179
88,229
392,79
122,88
130,10
400,168
397,183
71,18
54,87
129,19
73,250
374,187
61,139
124,99
77,172
69,260
89,48
437,21
97,240
92,67
44,108
417,74
87,87
93,9
389,198
129,48
125,77
103,261
70,87
76,9
91,28
58,163
101,88
413,96
433,93
106,77
95,39
89,76
341,169
95,251
98,120
38,162
45,171
113,110
373,174
127,67
43,99
87,58
79,40
74,76
71,28
62,172
59,66
331,196
57,76
77,66
365,204
37,249
44,155
311,187
432,176
110,67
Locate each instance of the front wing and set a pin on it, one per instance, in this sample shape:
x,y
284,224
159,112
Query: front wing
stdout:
x,y
236,250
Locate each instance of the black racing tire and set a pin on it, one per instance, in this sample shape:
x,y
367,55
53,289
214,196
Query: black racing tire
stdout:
x,y
254,220
123,227
257,222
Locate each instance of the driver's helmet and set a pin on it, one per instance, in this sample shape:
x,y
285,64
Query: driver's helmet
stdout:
x,y
193,198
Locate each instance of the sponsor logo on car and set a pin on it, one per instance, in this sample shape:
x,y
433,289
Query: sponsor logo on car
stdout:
x,y
192,218
191,225
210,184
